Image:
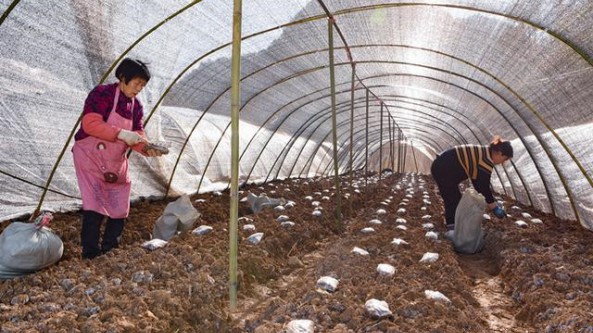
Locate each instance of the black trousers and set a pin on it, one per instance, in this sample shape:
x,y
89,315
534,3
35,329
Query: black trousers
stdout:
x,y
449,191
90,234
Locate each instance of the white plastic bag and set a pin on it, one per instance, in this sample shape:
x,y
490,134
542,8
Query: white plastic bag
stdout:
x,y
28,247
258,203
178,216
468,236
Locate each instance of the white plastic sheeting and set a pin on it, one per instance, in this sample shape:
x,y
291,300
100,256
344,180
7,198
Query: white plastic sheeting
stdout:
x,y
444,73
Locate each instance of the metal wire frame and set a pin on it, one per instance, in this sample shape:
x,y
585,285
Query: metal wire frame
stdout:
x,y
356,9
427,139
460,139
549,128
321,117
322,120
374,134
454,115
299,131
512,126
548,153
474,81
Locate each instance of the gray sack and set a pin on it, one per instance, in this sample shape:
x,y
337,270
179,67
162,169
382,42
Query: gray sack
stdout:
x,y
26,248
179,216
468,236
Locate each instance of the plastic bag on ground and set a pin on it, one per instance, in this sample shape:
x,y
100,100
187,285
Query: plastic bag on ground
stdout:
x,y
300,326
468,236
28,247
258,203
179,216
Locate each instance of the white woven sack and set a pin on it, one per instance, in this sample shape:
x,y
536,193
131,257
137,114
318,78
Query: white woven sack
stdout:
x,y
25,248
468,236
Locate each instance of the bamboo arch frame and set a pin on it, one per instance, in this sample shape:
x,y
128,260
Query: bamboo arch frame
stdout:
x,y
310,70
356,9
377,133
517,171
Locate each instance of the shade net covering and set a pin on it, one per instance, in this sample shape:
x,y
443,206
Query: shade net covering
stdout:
x,y
411,80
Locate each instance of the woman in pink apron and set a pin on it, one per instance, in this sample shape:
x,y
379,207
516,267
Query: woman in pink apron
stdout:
x,y
111,123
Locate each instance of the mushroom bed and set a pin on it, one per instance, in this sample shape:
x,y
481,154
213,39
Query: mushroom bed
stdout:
x,y
534,278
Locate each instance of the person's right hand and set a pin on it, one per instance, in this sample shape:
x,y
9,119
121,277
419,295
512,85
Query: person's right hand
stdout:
x,y
129,137
499,212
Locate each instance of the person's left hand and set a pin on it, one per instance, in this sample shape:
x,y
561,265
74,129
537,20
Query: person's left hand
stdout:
x,y
153,152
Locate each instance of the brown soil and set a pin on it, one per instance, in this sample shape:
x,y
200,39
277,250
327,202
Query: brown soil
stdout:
x,y
533,279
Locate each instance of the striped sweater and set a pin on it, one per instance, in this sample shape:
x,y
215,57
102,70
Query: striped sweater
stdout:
x,y
472,158
459,163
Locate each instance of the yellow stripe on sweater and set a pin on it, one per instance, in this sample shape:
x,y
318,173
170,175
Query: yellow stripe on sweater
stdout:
x,y
472,158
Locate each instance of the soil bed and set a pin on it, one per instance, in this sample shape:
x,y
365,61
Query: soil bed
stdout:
x,y
532,279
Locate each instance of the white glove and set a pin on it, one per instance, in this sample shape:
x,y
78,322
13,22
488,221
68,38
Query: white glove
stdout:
x,y
129,137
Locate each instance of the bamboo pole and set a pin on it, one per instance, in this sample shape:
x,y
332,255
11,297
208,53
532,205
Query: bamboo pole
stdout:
x,y
404,155
332,78
366,142
234,195
414,155
390,158
352,87
399,152
8,10
381,142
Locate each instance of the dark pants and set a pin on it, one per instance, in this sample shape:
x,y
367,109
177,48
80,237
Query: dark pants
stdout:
x,y
449,191
91,232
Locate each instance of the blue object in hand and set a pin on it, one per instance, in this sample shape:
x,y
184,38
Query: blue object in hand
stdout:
x,y
499,212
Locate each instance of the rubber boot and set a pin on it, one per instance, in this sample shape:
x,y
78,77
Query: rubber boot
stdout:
x,y
112,234
90,233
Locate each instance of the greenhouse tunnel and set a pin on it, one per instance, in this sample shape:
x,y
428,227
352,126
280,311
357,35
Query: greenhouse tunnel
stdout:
x,y
411,79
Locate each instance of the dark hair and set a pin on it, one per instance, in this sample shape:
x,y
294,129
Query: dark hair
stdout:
x,y
132,68
504,147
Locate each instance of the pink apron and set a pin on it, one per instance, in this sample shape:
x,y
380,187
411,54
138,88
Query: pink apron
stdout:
x,y
93,158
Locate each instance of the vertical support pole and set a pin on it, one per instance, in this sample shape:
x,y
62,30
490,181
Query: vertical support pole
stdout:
x,y
234,195
404,154
390,144
352,143
366,141
381,142
399,154
332,78
414,155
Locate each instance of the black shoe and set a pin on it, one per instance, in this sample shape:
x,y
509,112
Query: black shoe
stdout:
x,y
90,254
